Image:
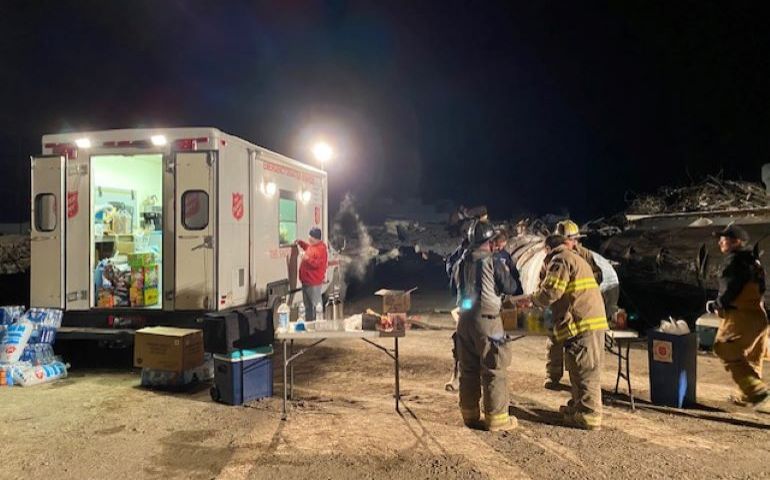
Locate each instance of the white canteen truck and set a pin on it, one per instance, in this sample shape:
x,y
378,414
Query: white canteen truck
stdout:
x,y
159,226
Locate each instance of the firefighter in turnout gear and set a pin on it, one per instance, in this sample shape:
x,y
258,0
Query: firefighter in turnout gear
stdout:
x,y
741,339
481,344
554,364
571,290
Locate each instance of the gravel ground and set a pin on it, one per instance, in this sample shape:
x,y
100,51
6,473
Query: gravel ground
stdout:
x,y
100,424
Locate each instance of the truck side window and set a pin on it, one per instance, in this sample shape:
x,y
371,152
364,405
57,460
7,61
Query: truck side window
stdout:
x,y
45,212
195,209
287,218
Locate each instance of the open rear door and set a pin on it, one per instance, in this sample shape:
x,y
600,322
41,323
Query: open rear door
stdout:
x,y
195,244
48,229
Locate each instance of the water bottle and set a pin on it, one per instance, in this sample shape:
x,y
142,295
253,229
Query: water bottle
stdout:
x,y
283,316
301,312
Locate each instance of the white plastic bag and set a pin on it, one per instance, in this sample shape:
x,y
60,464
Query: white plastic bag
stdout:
x,y
674,327
354,323
15,340
28,375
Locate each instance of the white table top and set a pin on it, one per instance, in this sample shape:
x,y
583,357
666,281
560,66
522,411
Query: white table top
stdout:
x,y
319,334
621,334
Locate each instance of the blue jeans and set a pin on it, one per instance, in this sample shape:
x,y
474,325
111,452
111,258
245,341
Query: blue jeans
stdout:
x,y
311,296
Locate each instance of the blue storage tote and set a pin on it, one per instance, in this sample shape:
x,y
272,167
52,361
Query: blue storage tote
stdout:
x,y
243,376
673,368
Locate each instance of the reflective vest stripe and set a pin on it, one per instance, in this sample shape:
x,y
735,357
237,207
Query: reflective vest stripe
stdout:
x,y
554,282
581,284
581,326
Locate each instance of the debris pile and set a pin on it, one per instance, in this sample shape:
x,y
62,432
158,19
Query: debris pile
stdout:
x,y
712,194
14,254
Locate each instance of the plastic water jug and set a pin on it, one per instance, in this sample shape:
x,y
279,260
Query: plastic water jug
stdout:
x,y
283,316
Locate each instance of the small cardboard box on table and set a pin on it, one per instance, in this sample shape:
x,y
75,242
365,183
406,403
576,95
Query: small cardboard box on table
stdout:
x,y
395,306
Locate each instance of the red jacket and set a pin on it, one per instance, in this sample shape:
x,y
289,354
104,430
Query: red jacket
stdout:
x,y
312,270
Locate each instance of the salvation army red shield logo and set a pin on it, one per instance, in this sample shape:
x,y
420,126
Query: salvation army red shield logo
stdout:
x,y
662,351
238,207
73,207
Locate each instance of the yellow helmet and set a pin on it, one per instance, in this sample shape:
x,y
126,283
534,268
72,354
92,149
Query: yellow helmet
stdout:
x,y
568,228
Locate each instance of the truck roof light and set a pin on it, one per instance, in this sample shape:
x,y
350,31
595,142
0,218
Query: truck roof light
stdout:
x,y
83,143
158,140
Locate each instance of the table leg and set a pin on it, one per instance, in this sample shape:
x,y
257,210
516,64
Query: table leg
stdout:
x,y
628,374
291,371
285,380
398,386
620,364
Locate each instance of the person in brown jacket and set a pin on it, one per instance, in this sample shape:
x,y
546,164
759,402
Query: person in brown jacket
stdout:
x,y
741,339
554,363
570,289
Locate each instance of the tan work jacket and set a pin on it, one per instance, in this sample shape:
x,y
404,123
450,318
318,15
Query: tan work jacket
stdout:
x,y
570,289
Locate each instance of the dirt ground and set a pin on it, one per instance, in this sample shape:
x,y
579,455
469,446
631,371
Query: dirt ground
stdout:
x,y
99,424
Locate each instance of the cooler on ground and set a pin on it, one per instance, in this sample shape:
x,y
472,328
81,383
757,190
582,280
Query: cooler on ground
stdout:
x,y
673,368
243,376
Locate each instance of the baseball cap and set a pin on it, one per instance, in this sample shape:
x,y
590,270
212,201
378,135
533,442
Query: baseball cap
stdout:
x,y
733,231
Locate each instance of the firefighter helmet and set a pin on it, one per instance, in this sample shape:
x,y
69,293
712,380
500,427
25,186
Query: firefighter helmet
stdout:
x,y
568,228
480,232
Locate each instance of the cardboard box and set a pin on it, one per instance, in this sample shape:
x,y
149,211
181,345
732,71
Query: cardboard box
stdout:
x,y
509,316
105,299
393,322
137,297
144,277
395,301
151,296
125,247
151,276
146,259
143,297
167,348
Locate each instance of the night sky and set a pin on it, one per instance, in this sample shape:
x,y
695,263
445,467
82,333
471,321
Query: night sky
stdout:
x,y
525,106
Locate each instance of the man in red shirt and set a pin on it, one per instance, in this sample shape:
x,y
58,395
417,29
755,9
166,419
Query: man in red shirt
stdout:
x,y
312,271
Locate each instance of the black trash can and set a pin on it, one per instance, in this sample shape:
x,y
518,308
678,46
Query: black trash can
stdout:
x,y
673,368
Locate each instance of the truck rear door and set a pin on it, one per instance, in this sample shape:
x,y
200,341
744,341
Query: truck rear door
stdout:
x,y
195,231
47,232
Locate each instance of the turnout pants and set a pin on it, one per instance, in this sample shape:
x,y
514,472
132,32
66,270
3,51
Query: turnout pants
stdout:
x,y
584,357
484,357
554,359
741,343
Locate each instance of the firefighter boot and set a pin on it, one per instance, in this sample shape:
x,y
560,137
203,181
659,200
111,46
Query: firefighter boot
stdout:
x,y
583,420
472,418
763,406
500,422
